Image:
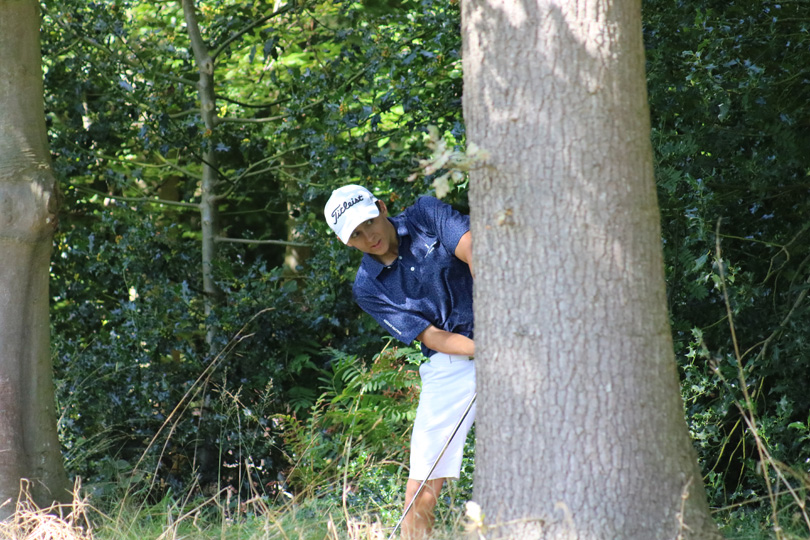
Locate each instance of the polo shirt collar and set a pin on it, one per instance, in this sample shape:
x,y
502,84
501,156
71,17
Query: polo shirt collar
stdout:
x,y
399,225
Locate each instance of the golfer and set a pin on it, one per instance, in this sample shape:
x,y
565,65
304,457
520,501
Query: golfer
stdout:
x,y
416,281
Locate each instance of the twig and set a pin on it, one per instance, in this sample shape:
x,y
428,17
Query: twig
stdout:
x,y
250,27
174,417
109,51
138,199
682,512
781,326
178,168
783,248
747,410
253,105
259,242
235,120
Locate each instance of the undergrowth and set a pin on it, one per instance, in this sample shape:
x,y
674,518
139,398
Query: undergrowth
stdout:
x,y
348,468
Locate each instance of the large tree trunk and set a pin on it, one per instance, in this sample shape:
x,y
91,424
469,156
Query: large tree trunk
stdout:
x,y
580,426
29,447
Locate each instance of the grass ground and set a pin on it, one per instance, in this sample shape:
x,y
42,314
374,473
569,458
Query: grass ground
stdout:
x,y
221,518
363,505
313,519
309,520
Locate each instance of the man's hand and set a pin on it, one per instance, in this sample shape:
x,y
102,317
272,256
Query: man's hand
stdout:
x,y
446,342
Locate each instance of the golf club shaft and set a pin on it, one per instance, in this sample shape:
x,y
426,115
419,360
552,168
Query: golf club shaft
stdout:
x,y
432,468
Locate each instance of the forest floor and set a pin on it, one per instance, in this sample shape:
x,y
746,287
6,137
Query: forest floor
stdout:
x,y
312,519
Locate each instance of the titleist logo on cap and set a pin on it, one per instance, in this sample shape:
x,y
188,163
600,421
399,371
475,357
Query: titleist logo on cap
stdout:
x,y
341,209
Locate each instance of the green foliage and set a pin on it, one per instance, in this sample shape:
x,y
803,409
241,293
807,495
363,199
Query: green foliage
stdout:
x,y
728,96
363,410
353,447
320,94
310,97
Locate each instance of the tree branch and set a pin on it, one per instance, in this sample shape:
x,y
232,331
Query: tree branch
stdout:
x,y
179,168
304,108
250,27
254,106
260,242
110,52
247,173
781,326
234,120
138,199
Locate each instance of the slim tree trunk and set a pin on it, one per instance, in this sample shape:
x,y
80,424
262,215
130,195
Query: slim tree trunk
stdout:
x,y
296,253
580,426
210,177
29,447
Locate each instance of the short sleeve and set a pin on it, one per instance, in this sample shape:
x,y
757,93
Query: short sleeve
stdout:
x,y
441,220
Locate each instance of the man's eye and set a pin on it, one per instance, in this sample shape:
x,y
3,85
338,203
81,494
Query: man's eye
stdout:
x,y
370,222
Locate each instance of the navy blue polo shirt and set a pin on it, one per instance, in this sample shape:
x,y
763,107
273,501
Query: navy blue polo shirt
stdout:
x,y
427,284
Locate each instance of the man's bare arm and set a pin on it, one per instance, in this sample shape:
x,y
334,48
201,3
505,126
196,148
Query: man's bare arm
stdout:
x,y
446,342
464,250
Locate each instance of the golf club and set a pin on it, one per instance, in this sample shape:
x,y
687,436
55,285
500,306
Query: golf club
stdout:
x,y
444,448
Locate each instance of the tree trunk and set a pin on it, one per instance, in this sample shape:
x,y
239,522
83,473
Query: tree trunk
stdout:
x,y
580,425
209,213
28,204
297,252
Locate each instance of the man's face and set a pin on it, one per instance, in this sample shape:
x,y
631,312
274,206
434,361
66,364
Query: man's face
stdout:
x,y
374,236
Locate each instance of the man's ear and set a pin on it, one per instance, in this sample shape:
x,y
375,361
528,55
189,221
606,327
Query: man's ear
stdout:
x,y
383,209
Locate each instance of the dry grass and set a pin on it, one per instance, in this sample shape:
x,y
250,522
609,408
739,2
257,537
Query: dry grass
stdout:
x,y
57,522
289,522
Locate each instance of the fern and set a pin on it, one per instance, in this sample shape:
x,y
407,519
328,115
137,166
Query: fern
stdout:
x,y
364,409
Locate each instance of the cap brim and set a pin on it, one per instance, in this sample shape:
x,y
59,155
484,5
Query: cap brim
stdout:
x,y
357,217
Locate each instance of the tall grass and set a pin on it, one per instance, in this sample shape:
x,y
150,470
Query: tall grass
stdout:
x,y
209,519
353,496
786,487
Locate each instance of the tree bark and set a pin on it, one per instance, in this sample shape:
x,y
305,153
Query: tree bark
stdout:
x,y
580,425
209,213
29,447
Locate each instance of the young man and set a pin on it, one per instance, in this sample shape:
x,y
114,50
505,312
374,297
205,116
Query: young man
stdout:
x,y
416,280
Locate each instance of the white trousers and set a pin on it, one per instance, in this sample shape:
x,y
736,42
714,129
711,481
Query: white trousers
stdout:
x,y
448,385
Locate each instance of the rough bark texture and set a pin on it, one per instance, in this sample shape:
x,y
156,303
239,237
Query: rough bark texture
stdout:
x,y
29,447
580,427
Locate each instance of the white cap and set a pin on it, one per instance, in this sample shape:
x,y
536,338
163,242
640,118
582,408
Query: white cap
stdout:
x,y
347,208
